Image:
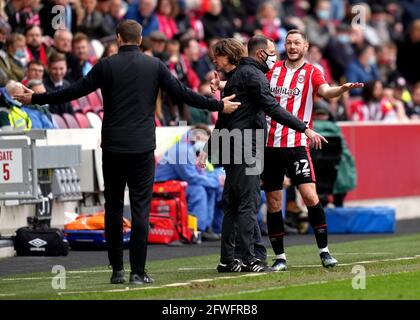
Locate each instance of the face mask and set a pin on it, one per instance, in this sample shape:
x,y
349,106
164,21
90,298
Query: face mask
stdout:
x,y
343,38
199,146
372,61
20,54
270,60
323,14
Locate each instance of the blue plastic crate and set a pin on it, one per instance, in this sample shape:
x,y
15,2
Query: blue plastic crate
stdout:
x,y
85,239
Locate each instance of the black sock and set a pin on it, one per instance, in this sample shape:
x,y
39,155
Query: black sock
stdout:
x,y
275,226
316,217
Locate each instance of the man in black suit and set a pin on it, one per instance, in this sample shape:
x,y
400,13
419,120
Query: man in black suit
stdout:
x,y
130,81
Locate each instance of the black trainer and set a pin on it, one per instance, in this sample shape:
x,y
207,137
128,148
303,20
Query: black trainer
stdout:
x,y
139,279
279,265
235,266
255,265
118,277
327,260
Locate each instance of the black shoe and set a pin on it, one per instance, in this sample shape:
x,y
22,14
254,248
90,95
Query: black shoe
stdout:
x,y
144,278
235,266
327,260
279,265
255,265
209,236
117,277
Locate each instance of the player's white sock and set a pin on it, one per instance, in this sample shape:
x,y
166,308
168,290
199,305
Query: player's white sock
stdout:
x,y
324,250
281,256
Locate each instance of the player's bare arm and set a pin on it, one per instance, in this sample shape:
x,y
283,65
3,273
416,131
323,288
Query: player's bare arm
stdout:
x,y
328,92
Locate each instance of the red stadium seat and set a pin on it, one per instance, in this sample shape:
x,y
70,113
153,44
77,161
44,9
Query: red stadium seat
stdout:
x,y
101,115
75,105
71,121
82,120
95,101
85,105
58,121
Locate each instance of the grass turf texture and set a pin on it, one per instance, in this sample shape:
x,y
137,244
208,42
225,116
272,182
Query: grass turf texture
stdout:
x,y
387,277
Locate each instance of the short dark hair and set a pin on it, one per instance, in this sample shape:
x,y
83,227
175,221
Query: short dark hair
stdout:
x,y
297,31
129,30
257,42
56,57
34,62
30,27
232,48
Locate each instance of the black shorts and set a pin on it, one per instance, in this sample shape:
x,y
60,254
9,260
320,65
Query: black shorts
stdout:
x,y
296,163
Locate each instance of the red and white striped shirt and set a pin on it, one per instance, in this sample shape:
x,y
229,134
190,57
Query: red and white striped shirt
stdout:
x,y
294,89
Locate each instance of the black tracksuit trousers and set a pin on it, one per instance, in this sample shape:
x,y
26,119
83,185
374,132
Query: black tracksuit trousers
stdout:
x,y
241,198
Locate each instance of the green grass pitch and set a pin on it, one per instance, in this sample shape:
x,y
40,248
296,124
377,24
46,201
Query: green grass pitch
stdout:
x,y
391,266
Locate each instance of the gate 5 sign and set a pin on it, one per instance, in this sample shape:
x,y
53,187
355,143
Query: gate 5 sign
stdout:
x,y
11,166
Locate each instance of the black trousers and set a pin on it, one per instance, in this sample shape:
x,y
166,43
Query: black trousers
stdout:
x,y
137,171
241,198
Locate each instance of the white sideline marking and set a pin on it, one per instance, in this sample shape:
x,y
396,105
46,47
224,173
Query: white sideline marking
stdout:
x,y
36,278
182,284
197,268
7,294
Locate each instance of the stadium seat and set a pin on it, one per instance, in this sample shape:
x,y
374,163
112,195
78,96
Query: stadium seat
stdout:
x,y
101,114
58,121
94,120
85,105
95,102
75,105
71,121
82,120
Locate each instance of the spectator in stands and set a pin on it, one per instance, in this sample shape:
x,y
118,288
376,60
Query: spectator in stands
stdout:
x,y
320,27
110,49
57,69
35,49
34,71
113,17
143,13
3,36
80,46
375,105
92,24
190,50
413,107
13,55
4,24
215,23
408,61
47,14
269,25
387,62
13,10
158,42
204,67
314,56
166,11
363,69
340,52
203,185
36,86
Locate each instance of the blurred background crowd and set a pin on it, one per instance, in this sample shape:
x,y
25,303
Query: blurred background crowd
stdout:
x,y
375,42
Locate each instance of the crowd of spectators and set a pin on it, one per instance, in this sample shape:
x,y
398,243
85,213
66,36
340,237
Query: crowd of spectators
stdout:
x,y
376,42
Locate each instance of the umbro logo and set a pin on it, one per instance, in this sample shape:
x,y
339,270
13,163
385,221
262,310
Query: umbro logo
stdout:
x,y
37,242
